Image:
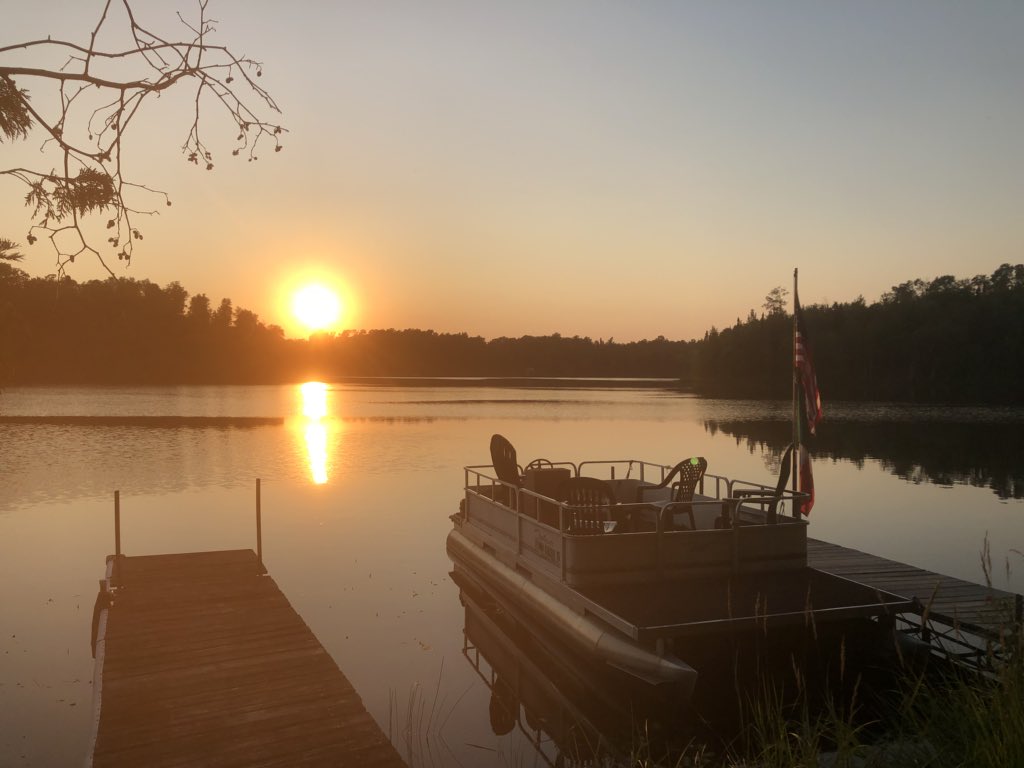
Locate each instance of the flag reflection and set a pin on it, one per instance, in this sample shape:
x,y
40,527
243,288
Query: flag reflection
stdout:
x,y
314,408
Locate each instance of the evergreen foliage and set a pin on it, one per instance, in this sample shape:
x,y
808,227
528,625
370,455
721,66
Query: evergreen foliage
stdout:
x,y
938,341
122,331
945,341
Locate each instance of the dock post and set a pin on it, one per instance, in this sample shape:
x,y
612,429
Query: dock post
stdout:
x,y
117,523
259,526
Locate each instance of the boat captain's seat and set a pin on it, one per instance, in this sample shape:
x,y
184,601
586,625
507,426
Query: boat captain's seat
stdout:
x,y
506,467
589,503
767,499
683,480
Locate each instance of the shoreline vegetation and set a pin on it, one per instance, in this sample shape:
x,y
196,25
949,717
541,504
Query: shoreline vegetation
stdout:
x,y
943,341
918,711
508,382
933,716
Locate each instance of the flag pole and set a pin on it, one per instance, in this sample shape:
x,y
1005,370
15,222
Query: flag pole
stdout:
x,y
796,392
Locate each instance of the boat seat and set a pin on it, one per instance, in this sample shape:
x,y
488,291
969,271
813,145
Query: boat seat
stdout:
x,y
543,478
768,500
689,473
589,503
503,459
671,514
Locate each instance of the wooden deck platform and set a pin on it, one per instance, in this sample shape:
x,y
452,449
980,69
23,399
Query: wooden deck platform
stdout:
x,y
974,608
203,662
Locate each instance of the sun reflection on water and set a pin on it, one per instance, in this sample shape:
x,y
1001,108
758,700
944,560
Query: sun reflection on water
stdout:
x,y
314,409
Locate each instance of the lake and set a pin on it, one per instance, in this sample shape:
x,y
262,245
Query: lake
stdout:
x,y
357,486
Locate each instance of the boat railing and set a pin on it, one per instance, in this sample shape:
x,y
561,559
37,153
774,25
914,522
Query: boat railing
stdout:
x,y
748,493
720,482
645,470
649,472
745,494
714,492
483,476
655,537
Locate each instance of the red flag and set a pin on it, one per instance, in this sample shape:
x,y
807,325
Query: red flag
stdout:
x,y
804,363
806,481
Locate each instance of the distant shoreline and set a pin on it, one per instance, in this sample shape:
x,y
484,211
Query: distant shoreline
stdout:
x,y
144,421
514,382
524,382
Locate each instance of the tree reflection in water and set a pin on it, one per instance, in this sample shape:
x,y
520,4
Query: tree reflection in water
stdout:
x,y
986,454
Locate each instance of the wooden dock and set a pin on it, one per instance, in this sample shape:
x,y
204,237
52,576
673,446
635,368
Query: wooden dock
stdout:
x,y
964,608
201,660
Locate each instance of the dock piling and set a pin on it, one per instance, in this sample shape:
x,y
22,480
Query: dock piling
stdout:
x,y
259,526
117,523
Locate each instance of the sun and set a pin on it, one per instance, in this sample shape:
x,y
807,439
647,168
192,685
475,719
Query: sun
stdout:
x,y
316,306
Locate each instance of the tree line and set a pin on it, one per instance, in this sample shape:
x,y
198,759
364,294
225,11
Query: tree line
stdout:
x,y
944,340
938,341
125,331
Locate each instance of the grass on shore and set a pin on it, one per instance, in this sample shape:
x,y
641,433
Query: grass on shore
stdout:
x,y
949,719
956,717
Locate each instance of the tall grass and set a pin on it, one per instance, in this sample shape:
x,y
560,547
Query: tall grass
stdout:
x,y
781,735
949,718
939,714
416,727
972,719
955,718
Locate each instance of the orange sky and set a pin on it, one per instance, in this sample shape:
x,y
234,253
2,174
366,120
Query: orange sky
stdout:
x,y
602,169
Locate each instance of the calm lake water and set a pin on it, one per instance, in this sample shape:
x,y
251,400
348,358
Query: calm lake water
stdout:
x,y
358,483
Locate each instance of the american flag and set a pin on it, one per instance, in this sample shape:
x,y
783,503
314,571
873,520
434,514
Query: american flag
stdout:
x,y
806,480
804,363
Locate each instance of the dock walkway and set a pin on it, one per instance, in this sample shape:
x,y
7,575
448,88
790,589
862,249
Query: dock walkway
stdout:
x,y
201,660
962,606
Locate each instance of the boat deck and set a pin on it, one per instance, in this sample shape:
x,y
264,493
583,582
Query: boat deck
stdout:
x,y
701,606
962,605
203,661
839,582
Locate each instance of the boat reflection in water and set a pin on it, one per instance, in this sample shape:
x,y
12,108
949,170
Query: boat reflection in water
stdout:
x,y
577,712
570,710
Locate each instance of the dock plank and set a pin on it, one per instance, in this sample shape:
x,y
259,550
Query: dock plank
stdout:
x,y
205,662
947,599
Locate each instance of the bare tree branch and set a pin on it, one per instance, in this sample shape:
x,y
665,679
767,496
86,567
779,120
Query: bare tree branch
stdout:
x,y
88,137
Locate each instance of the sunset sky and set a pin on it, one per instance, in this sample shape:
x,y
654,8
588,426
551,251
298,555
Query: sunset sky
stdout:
x,y
606,169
